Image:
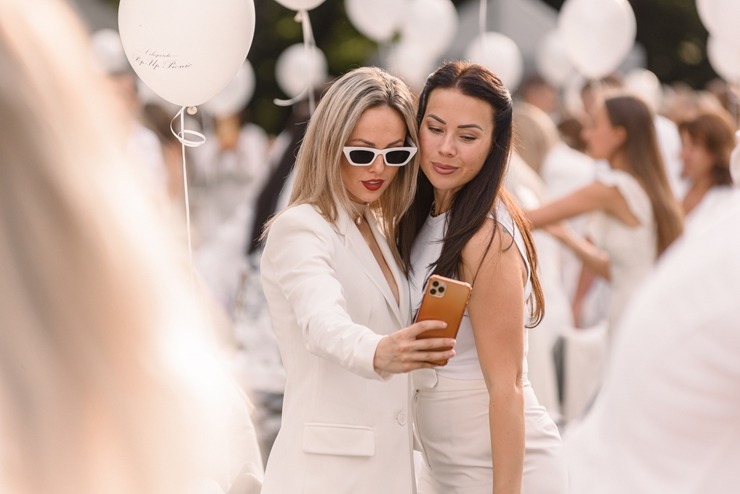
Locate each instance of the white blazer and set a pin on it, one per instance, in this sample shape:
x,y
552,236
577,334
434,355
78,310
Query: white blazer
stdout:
x,y
345,429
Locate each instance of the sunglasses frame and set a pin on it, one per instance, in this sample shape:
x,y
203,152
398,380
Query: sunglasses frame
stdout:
x,y
348,149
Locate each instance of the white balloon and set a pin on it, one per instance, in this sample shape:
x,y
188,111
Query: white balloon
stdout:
x,y
500,54
410,62
235,96
186,51
297,68
708,13
647,85
726,14
376,19
725,59
300,4
552,60
108,49
597,34
431,24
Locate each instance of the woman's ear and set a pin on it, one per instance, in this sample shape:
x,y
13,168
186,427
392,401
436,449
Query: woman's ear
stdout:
x,y
620,134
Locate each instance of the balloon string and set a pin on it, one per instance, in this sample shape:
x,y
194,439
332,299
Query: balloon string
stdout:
x,y
186,143
309,44
482,17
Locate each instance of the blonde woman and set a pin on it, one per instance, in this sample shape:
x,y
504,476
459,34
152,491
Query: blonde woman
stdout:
x,y
339,299
109,376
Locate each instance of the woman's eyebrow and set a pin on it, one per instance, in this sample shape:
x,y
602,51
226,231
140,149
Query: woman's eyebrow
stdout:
x,y
464,126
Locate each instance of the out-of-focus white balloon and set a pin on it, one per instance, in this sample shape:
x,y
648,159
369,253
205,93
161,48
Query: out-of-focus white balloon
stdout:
x,y
376,19
411,62
708,13
235,96
597,34
300,4
552,59
725,59
725,15
298,68
646,85
431,24
186,51
109,52
500,54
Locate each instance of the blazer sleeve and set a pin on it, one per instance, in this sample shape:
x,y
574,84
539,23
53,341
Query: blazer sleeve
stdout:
x,y
298,257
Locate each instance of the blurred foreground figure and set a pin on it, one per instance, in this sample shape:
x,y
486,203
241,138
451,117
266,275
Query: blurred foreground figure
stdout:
x,y
666,419
110,380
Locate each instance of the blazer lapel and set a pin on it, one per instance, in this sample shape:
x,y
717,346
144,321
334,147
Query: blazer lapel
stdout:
x,y
369,265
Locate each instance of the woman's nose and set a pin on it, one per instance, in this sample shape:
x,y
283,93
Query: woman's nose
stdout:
x,y
447,145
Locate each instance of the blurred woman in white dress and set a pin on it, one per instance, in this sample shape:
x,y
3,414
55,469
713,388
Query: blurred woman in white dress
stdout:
x,y
635,214
707,141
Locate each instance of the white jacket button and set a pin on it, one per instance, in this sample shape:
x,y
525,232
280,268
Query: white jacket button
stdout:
x,y
401,418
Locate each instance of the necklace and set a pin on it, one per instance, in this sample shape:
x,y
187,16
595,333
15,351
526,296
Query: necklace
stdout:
x,y
360,212
434,213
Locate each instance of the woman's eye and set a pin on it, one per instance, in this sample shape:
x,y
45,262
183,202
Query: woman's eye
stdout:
x,y
468,138
434,130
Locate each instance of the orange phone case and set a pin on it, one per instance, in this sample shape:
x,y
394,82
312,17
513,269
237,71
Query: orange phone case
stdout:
x,y
445,300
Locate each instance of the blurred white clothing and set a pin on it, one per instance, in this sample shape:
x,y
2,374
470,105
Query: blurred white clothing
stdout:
x,y
669,142
147,150
225,179
666,419
632,249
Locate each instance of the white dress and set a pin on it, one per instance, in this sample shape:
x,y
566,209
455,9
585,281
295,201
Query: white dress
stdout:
x,y
632,249
451,402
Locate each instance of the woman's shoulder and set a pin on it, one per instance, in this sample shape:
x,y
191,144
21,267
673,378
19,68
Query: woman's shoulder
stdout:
x,y
298,218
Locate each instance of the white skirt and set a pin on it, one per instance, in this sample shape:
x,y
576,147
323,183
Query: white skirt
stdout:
x,y
453,435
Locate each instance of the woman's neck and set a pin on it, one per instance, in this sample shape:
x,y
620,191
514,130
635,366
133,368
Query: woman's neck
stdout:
x,y
442,202
358,211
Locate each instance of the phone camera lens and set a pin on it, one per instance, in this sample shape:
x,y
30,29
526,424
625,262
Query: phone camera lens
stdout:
x,y
441,289
433,291
435,283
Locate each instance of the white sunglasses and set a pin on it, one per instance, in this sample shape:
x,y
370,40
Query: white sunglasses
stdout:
x,y
360,156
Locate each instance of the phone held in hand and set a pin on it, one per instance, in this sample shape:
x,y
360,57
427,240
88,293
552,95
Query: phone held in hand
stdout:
x,y
445,300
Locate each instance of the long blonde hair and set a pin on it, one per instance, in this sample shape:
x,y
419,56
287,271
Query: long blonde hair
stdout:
x,y
105,359
317,177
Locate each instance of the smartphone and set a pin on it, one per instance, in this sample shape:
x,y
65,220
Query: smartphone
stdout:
x,y
445,300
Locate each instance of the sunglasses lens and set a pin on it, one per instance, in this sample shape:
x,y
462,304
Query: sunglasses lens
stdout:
x,y
361,157
397,157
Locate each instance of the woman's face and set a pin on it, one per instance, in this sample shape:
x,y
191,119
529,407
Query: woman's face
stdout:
x,y
602,138
697,160
455,138
380,128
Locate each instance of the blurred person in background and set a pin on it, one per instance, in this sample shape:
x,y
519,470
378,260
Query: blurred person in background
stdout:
x,y
636,214
666,419
110,372
707,141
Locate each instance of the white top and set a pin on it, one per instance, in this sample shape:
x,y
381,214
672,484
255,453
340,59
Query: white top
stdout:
x,y
426,250
631,249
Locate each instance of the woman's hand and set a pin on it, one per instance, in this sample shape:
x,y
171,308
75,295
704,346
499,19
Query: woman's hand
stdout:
x,y
403,352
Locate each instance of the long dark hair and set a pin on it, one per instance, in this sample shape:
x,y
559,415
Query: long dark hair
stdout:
x,y
642,153
474,202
